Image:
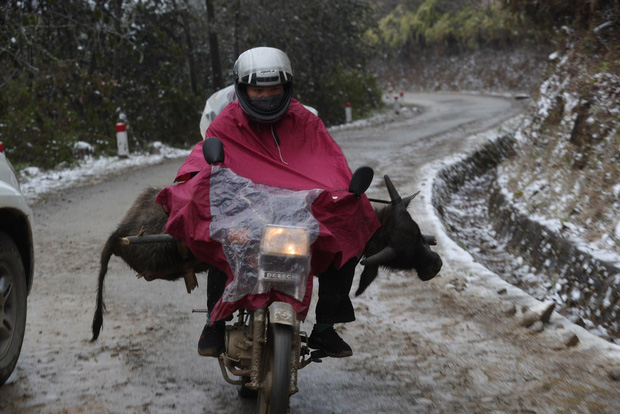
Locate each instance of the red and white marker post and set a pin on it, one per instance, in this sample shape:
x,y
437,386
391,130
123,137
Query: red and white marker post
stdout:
x,y
348,112
121,140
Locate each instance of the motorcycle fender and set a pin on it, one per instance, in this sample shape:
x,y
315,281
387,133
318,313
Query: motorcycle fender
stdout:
x,y
283,313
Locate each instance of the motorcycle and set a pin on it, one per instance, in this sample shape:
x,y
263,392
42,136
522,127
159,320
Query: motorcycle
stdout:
x,y
266,234
265,347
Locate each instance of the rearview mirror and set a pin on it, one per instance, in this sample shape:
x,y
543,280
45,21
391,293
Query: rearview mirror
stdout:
x,y
213,150
362,177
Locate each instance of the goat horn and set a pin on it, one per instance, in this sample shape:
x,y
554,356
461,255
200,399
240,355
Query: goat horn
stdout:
x,y
384,256
394,196
407,200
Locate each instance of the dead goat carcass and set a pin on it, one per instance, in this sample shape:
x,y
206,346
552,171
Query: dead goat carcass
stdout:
x,y
398,244
168,261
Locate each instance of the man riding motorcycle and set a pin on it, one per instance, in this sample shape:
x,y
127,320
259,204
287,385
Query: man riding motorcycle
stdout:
x,y
269,137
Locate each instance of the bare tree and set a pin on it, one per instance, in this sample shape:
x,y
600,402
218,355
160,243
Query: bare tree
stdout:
x,y
216,66
189,45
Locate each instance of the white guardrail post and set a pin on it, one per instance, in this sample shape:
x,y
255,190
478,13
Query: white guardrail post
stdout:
x,y
121,139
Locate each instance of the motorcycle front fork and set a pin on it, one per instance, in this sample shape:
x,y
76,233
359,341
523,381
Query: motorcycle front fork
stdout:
x,y
259,329
259,338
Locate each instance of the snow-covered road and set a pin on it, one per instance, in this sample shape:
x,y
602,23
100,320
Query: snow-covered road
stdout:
x,y
449,345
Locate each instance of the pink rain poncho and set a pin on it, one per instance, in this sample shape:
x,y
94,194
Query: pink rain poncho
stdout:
x,y
297,154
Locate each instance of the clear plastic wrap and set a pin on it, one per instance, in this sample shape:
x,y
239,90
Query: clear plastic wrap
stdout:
x,y
240,211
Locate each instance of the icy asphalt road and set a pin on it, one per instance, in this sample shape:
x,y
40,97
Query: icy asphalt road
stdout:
x,y
441,346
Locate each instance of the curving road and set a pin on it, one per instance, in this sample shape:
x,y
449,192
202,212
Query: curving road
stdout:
x,y
441,346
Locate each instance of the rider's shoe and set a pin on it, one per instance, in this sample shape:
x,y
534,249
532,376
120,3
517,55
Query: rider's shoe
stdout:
x,y
211,341
329,342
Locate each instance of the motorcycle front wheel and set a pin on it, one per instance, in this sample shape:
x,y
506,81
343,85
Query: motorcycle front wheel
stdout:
x,y
273,397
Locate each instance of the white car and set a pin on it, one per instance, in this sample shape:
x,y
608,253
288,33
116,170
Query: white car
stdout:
x,y
16,266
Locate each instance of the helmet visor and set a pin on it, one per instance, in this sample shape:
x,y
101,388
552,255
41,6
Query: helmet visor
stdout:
x,y
264,66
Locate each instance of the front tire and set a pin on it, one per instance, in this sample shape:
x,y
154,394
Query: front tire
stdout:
x,y
273,398
13,306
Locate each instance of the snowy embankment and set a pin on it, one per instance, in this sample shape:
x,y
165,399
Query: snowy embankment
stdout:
x,y
532,252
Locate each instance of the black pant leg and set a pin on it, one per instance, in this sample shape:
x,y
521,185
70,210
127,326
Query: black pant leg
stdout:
x,y
216,282
334,304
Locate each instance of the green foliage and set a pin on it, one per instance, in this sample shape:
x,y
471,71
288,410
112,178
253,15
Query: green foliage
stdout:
x,y
72,69
329,55
578,14
454,26
360,90
595,22
42,118
168,115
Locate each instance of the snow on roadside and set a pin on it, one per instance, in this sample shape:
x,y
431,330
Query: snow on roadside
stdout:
x,y
480,280
35,183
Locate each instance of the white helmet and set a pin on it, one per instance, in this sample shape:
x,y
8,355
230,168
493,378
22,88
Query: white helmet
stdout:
x,y
264,66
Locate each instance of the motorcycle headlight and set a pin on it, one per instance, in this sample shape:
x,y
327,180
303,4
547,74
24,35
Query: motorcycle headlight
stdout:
x,y
285,241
